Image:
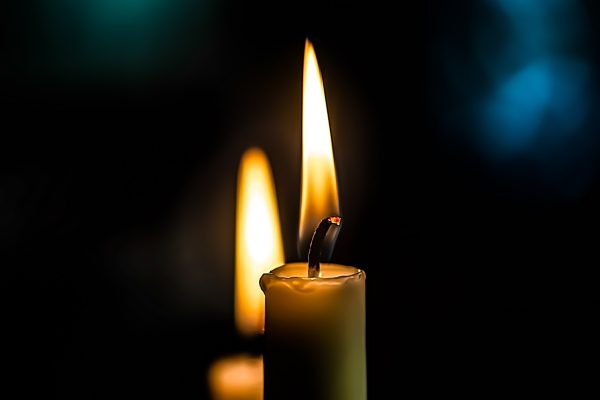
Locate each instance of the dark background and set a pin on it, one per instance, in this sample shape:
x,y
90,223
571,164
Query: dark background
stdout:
x,y
121,133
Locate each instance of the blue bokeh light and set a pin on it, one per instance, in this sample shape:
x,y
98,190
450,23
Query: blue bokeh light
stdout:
x,y
515,112
545,100
538,87
518,84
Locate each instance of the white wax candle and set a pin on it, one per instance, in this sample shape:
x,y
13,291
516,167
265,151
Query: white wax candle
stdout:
x,y
315,333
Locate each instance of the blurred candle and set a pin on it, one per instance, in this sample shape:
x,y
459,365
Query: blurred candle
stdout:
x,y
315,327
258,248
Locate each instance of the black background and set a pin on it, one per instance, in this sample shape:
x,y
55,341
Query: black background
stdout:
x,y
118,192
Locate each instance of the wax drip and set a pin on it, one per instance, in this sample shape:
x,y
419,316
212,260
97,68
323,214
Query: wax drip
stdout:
x,y
316,245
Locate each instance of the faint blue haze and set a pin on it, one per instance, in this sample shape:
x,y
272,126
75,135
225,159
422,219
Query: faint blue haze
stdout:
x,y
541,92
519,83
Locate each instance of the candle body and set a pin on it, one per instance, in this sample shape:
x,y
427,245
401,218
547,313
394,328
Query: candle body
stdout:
x,y
315,333
236,378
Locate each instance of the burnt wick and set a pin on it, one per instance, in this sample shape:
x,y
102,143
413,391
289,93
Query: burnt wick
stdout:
x,y
316,245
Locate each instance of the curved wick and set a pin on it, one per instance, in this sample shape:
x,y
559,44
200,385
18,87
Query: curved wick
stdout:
x,y
316,245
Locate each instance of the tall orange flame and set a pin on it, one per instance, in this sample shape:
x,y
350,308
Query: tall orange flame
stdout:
x,y
319,182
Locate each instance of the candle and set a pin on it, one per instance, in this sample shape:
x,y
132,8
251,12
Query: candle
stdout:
x,y
315,333
315,316
258,248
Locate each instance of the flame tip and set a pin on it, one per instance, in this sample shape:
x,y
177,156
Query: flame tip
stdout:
x,y
319,197
254,150
309,50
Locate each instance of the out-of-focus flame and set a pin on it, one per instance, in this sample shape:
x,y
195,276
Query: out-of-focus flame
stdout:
x,y
258,239
237,378
319,183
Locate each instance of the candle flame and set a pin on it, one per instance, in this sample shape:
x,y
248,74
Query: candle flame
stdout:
x,y
319,182
237,378
259,246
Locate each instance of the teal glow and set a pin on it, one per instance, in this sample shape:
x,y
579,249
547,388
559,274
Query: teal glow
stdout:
x,y
126,33
122,38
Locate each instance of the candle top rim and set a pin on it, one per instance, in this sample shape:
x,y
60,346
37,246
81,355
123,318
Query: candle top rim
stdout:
x,y
329,272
